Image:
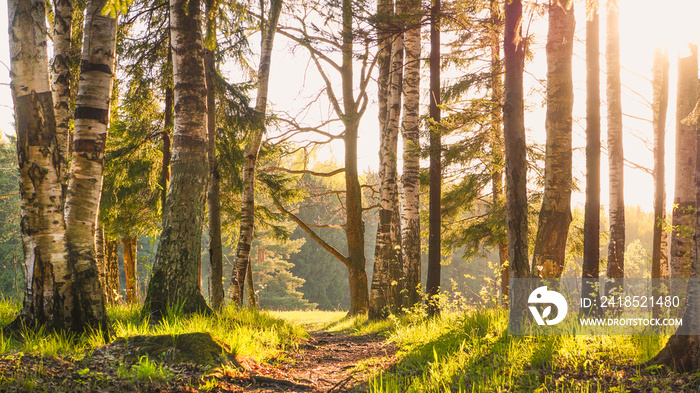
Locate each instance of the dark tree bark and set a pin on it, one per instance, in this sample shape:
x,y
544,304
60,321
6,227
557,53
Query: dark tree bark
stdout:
x,y
591,221
216,264
516,152
435,221
130,256
497,147
175,282
616,248
659,107
112,285
555,215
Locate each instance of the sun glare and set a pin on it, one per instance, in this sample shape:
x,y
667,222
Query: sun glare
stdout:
x,y
671,23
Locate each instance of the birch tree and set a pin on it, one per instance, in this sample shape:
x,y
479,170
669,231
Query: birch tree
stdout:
x,y
252,149
387,280
410,127
61,78
49,298
87,164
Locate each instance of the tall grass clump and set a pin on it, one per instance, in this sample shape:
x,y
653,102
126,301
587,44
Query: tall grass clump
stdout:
x,y
251,333
473,352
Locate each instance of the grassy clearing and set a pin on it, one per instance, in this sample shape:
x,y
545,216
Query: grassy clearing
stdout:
x,y
252,334
472,352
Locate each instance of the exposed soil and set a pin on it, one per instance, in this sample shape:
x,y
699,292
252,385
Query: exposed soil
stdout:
x,y
327,362
332,362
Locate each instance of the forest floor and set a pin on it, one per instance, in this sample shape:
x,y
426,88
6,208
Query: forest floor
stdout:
x,y
458,352
328,361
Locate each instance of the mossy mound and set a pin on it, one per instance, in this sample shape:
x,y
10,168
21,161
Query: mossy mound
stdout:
x,y
198,348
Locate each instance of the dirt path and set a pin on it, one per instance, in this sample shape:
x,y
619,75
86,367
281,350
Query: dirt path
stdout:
x,y
328,362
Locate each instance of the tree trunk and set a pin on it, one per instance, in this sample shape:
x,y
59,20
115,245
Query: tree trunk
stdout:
x,y
61,79
100,253
387,280
355,227
435,221
516,152
216,285
411,153
49,297
591,221
555,215
165,162
252,150
682,351
659,107
251,288
87,164
497,148
684,198
112,286
616,248
174,282
129,251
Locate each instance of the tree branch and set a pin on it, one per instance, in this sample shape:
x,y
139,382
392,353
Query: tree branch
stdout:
x,y
303,171
312,234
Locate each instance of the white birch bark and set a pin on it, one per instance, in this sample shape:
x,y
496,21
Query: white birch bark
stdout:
x,y
252,150
87,165
410,128
48,295
61,78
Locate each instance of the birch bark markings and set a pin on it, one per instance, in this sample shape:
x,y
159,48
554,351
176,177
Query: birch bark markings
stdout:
x,y
252,150
49,297
61,79
555,215
411,153
387,280
87,165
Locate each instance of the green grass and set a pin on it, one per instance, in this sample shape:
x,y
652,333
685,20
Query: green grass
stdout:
x,y
145,371
255,334
472,352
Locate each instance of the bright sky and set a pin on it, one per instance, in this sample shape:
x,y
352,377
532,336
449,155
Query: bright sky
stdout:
x,y
643,24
